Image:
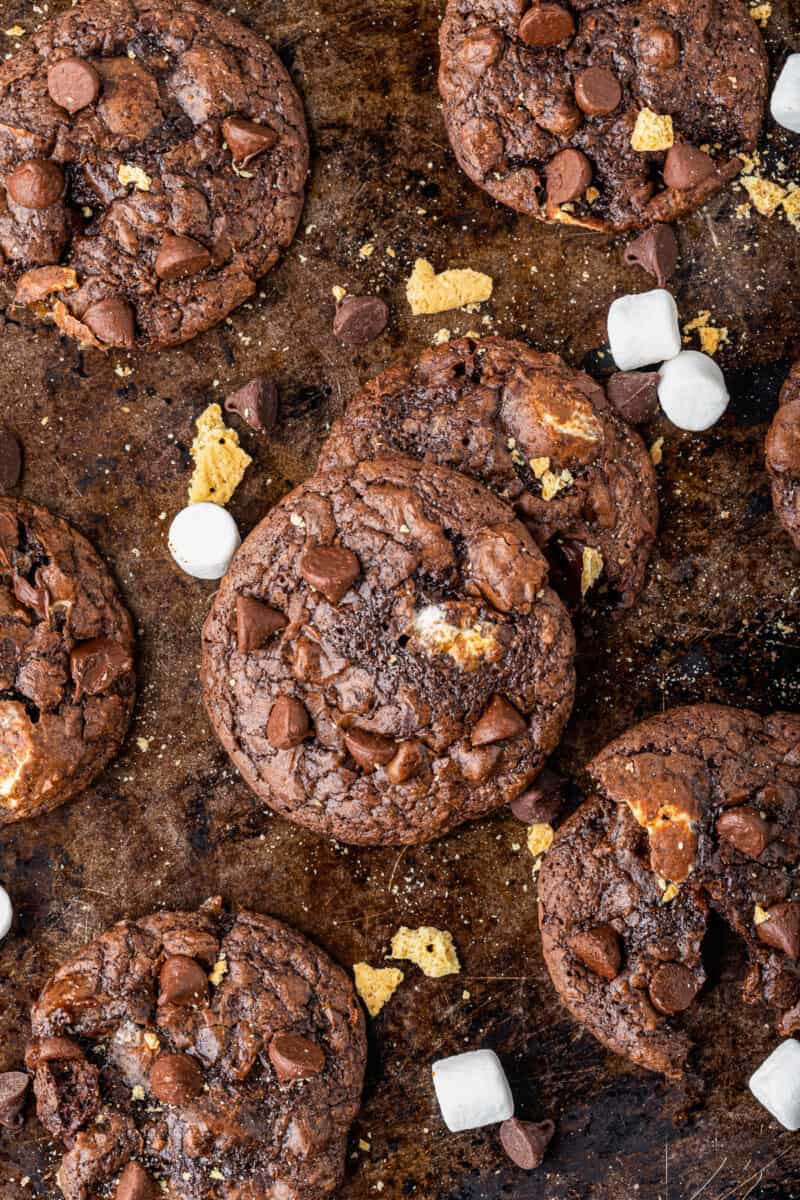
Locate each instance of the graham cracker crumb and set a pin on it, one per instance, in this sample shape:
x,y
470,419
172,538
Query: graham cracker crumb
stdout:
x,y
430,949
591,568
656,451
711,337
761,13
219,461
540,839
760,915
428,292
552,484
652,131
218,972
765,195
127,173
376,985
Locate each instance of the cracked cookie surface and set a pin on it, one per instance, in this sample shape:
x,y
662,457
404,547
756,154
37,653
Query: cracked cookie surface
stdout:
x,y
153,160
545,104
67,681
697,810
783,456
541,435
384,659
206,1054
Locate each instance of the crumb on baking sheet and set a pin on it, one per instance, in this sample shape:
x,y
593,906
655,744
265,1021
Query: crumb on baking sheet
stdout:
x,y
540,838
219,461
432,950
591,568
652,131
376,985
428,292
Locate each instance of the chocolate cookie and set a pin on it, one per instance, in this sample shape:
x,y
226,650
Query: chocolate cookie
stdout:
x,y
783,456
384,659
697,809
540,434
202,1054
153,159
550,107
66,662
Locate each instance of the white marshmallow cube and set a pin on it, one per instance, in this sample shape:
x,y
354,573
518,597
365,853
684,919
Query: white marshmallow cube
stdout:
x,y
692,391
643,329
472,1090
785,102
6,913
776,1084
203,539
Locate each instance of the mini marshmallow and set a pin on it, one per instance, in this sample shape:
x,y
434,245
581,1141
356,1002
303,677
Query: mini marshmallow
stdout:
x,y
692,391
785,102
643,329
472,1090
203,539
776,1084
6,913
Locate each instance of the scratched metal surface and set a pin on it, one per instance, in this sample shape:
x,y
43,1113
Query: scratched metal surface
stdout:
x,y
170,824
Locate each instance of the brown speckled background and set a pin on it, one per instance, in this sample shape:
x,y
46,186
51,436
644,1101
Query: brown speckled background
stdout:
x,y
720,619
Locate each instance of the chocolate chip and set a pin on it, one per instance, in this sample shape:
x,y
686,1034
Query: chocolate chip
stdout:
x,y
180,257
542,801
10,460
656,251
331,570
407,762
176,1079
182,981
634,395
783,439
13,1089
746,830
256,403
781,930
370,750
526,1141
246,140
295,1057
673,987
658,47
288,723
568,176
359,319
499,721
135,1184
73,83
256,623
546,25
685,166
111,321
597,91
96,665
38,183
51,1049
599,949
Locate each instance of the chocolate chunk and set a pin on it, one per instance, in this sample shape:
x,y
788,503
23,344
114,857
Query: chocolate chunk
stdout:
x,y
331,570
73,84
781,930
568,176
180,257
288,723
673,987
546,25
685,166
295,1057
526,1141
35,598
656,251
135,1184
246,140
634,395
10,460
38,183
407,762
51,1049
256,403
13,1090
746,830
359,319
599,949
96,665
182,981
255,623
597,91
542,801
499,721
783,439
111,320
370,750
658,47
176,1079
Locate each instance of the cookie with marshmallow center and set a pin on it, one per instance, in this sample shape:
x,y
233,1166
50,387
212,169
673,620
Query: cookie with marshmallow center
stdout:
x,y
783,456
